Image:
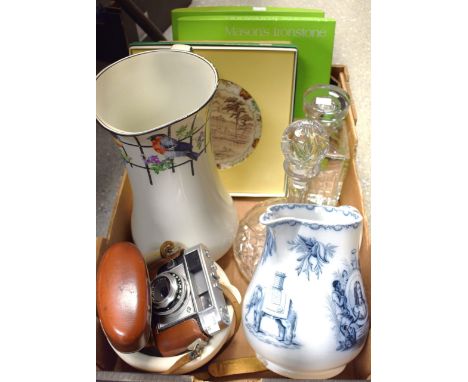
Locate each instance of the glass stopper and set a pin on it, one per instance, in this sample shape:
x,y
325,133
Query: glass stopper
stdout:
x,y
327,104
304,144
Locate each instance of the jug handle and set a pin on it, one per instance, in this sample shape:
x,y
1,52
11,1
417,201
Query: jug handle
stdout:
x,y
181,47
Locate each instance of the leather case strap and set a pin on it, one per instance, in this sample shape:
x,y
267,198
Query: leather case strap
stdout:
x,y
168,251
195,353
235,305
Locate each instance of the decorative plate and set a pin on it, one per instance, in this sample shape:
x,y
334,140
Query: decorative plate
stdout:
x,y
236,124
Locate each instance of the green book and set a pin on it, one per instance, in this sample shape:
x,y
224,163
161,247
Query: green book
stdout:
x,y
313,37
241,11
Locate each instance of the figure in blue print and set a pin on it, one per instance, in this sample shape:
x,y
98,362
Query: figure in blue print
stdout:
x,y
360,307
344,277
344,317
350,310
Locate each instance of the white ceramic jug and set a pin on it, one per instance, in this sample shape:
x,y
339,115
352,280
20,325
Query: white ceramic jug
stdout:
x,y
156,106
305,313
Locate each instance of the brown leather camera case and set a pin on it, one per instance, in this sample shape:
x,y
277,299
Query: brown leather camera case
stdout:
x,y
175,340
123,297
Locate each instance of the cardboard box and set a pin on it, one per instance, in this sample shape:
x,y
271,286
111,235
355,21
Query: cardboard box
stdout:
x,y
111,368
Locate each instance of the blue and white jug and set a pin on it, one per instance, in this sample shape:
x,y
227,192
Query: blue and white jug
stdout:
x,y
305,312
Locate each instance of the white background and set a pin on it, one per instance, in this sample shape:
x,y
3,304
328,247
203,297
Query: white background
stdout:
x,y
419,225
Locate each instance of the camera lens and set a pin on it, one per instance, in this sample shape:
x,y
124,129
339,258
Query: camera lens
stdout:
x,y
168,292
162,286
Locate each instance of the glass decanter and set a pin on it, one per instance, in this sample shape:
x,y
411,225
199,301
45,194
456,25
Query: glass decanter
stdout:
x,y
329,104
304,145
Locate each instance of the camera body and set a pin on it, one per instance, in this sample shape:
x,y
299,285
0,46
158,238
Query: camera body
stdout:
x,y
185,288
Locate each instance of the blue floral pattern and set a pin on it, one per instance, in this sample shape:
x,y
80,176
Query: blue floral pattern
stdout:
x,y
314,254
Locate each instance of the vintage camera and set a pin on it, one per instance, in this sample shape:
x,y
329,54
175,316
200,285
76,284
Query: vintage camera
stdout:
x,y
187,289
